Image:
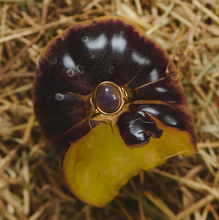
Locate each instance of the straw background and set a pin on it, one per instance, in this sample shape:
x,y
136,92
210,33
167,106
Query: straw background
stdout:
x,y
30,183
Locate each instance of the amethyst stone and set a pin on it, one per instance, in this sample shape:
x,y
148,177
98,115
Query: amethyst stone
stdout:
x,y
108,98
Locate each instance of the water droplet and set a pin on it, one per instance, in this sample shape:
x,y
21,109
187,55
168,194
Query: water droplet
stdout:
x,y
92,56
111,69
70,72
121,32
59,96
85,39
80,68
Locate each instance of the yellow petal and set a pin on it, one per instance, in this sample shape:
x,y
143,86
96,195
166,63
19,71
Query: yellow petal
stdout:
x,y
96,166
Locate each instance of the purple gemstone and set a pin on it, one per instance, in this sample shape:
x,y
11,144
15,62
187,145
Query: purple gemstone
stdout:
x,y
108,98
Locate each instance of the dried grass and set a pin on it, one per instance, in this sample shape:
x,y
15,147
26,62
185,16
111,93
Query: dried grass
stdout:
x,y
30,183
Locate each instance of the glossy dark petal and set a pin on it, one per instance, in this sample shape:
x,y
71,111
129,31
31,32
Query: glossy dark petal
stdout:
x,y
58,110
172,116
166,90
97,53
107,49
137,127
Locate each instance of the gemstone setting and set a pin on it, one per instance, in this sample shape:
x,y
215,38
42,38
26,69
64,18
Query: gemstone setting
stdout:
x,y
108,98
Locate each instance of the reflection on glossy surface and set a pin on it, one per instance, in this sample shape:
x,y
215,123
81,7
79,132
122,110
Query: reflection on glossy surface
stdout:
x,y
139,59
151,110
118,43
160,89
169,119
98,43
153,75
139,133
68,62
